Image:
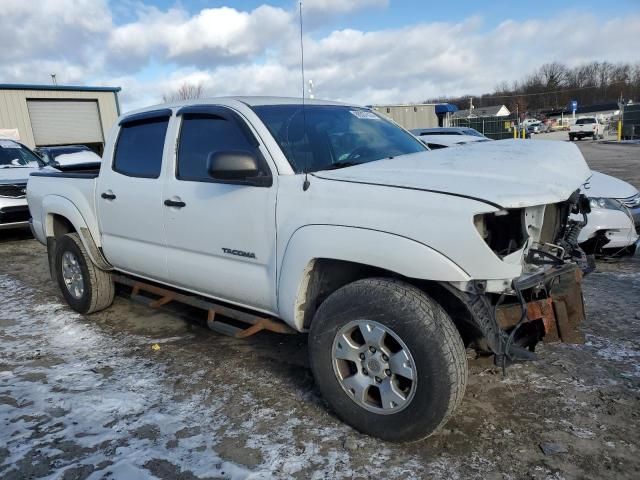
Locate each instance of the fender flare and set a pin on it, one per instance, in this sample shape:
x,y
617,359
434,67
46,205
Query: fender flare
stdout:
x,y
57,205
375,248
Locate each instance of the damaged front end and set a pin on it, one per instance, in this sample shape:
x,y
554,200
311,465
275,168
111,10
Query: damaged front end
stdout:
x,y
545,303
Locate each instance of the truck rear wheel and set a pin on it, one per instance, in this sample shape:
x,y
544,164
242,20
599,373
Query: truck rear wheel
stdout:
x,y
388,359
85,287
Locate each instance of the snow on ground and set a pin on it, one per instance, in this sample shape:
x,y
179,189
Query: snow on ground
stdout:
x,y
51,366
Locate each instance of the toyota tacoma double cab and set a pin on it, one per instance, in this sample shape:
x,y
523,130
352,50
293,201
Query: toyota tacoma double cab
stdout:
x,y
338,222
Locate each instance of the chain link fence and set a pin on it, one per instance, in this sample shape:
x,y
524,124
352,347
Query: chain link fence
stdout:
x,y
631,122
496,128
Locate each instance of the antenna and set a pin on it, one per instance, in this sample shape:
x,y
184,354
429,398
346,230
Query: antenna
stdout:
x,y
305,184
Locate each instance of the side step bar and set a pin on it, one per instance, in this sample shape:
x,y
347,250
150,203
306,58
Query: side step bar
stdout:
x,y
216,313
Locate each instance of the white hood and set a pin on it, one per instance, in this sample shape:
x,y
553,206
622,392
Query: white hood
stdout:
x,y
16,174
606,186
509,173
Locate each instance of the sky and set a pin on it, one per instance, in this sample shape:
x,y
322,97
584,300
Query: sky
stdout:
x,y
361,51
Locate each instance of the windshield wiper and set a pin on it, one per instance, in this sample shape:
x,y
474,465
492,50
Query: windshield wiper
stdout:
x,y
342,164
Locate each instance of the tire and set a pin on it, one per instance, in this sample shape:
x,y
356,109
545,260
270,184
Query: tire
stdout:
x,y
97,290
435,349
571,138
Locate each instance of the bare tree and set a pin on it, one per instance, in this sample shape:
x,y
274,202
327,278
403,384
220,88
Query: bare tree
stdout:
x,y
187,91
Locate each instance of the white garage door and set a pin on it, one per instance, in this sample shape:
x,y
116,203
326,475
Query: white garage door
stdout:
x,y
59,122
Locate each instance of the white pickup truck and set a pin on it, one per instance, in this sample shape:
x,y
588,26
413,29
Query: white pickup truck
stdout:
x,y
586,127
341,224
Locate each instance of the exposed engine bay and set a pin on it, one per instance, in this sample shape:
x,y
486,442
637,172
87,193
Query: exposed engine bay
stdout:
x,y
543,304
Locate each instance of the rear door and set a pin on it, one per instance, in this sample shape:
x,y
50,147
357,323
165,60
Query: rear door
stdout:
x,y
220,236
129,196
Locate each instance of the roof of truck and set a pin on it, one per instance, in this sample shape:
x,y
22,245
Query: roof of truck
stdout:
x,y
247,100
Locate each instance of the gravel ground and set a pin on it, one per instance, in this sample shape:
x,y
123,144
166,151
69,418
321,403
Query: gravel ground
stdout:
x,y
137,393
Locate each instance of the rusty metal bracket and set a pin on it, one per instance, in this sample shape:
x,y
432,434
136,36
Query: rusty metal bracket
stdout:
x,y
217,315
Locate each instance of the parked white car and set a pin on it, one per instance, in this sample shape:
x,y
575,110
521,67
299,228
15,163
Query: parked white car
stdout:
x,y
442,137
614,221
16,163
435,142
336,221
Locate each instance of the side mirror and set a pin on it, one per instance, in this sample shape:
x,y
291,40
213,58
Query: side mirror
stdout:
x,y
238,167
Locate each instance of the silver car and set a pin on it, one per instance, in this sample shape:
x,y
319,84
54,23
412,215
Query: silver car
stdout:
x,y
16,163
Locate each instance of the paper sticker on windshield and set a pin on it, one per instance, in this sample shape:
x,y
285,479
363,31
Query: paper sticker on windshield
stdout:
x,y
364,114
8,144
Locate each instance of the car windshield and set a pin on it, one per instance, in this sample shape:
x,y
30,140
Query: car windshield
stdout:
x,y
324,137
12,154
582,121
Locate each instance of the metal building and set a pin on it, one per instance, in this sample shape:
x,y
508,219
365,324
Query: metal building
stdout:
x,y
46,115
410,116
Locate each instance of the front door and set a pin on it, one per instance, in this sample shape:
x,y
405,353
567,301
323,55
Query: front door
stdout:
x,y
220,236
129,198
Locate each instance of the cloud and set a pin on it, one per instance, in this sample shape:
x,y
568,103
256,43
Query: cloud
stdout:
x,y
340,6
212,36
60,34
231,51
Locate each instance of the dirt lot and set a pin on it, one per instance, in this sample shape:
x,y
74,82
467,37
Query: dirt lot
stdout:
x,y
94,397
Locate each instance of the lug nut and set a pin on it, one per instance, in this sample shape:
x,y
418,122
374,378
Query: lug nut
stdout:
x,y
362,356
385,358
372,349
364,371
387,372
378,380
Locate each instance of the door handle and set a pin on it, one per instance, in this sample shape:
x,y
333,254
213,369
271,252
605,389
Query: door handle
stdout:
x,y
108,195
174,203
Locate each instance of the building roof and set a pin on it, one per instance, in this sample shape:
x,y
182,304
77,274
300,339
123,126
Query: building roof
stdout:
x,y
77,88
489,111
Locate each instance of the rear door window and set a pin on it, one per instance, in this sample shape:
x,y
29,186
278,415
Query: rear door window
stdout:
x,y
139,149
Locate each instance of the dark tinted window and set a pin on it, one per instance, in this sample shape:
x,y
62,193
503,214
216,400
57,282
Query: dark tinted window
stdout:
x,y
201,135
139,148
584,121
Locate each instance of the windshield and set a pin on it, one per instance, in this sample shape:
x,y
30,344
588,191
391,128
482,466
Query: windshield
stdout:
x,y
12,154
582,121
328,136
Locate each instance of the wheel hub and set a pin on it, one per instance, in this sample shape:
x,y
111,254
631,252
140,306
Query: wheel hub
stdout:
x,y
72,274
374,366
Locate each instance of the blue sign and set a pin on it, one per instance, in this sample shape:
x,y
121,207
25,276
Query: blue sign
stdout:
x,y
574,105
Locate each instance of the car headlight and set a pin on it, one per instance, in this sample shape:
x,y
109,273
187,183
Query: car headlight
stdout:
x,y
606,203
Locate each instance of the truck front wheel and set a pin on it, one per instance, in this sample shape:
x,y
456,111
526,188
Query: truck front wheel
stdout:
x,y
85,287
388,359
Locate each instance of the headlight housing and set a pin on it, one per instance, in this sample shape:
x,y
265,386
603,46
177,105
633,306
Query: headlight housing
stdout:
x,y
605,203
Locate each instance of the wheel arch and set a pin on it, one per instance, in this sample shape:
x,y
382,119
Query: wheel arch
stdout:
x,y
319,259
62,217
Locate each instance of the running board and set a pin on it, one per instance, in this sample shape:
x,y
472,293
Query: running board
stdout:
x,y
216,313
